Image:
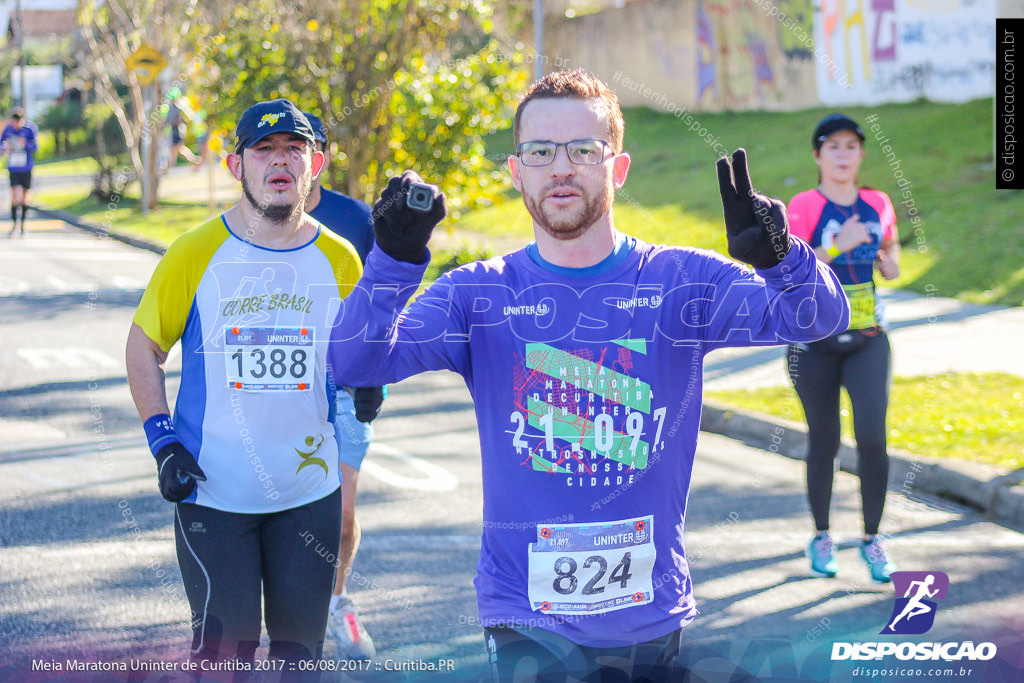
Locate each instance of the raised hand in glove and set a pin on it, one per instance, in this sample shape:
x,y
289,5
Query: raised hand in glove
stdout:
x,y
755,225
178,472
367,401
400,231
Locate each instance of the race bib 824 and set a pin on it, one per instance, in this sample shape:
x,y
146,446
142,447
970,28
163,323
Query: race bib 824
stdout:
x,y
592,568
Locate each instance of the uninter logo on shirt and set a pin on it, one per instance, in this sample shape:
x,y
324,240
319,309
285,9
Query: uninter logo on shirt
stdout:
x,y
539,309
639,302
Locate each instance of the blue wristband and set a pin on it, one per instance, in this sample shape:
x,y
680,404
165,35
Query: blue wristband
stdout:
x,y
159,432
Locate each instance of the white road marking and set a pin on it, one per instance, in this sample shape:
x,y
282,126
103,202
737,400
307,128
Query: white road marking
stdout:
x,y
70,356
58,284
76,256
122,282
437,479
41,243
12,285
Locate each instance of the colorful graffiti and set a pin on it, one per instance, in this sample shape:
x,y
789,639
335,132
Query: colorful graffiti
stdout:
x,y
881,50
743,47
795,27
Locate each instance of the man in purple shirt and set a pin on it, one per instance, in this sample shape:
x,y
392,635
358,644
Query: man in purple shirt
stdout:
x,y
584,355
18,141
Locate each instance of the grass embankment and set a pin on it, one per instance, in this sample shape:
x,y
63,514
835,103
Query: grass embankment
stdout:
x,y
162,226
970,241
66,167
969,416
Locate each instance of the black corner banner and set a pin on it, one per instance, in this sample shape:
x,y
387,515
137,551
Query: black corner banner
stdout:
x,y
1009,123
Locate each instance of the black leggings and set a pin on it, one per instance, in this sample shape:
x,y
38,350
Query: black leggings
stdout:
x,y
533,654
226,557
861,362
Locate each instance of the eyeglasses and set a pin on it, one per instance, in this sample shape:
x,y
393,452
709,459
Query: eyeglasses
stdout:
x,y
581,152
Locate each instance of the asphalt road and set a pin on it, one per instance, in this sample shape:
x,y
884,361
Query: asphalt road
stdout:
x,y
87,568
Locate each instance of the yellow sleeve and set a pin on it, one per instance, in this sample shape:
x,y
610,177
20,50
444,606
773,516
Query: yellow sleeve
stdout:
x,y
343,258
166,303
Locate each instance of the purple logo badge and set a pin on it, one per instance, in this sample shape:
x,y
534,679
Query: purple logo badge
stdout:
x,y
916,596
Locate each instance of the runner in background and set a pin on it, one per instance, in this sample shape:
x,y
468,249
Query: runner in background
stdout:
x,y
355,409
19,141
249,458
853,229
178,109
202,132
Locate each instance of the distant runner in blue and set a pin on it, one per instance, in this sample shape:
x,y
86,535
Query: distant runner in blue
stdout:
x,y
584,355
19,143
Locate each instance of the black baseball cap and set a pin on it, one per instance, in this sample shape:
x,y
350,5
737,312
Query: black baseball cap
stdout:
x,y
831,124
265,118
319,132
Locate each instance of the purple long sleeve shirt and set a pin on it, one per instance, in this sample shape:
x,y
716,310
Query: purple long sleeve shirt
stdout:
x,y
587,389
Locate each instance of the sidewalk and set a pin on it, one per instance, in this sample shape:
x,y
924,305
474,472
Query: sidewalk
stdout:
x,y
930,335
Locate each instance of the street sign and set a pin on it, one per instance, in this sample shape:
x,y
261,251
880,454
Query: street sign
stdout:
x,y
147,63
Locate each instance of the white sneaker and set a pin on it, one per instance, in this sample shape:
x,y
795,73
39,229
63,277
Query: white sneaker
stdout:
x,y
350,638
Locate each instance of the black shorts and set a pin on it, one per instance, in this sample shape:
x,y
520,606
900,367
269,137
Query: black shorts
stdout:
x,y
240,569
539,655
23,178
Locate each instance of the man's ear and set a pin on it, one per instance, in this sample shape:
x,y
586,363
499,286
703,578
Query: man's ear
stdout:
x,y
620,167
513,167
234,164
318,163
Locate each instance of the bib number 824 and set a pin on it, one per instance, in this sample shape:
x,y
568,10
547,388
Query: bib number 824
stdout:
x,y
566,581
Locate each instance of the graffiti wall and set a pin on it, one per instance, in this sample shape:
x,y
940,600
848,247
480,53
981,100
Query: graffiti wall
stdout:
x,y
748,59
782,54
898,50
703,54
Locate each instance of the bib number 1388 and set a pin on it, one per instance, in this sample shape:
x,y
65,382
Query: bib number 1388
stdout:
x,y
279,363
269,359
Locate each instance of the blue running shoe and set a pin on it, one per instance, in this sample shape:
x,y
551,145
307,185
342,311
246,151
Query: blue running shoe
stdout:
x,y
877,560
822,553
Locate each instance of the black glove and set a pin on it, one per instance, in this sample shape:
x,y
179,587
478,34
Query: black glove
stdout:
x,y
367,401
755,225
178,472
402,232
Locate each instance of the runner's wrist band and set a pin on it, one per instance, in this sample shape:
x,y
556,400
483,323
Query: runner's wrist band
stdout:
x,y
159,432
833,251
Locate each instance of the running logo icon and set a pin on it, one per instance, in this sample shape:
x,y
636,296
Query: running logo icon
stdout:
x,y
916,593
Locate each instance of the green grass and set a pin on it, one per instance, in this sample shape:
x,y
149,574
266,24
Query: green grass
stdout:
x,y
163,225
970,244
61,167
977,417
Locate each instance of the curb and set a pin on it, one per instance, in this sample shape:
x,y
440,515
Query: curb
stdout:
x,y
993,492
74,220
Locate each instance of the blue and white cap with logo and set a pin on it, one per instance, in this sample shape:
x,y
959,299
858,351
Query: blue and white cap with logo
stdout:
x,y
266,118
